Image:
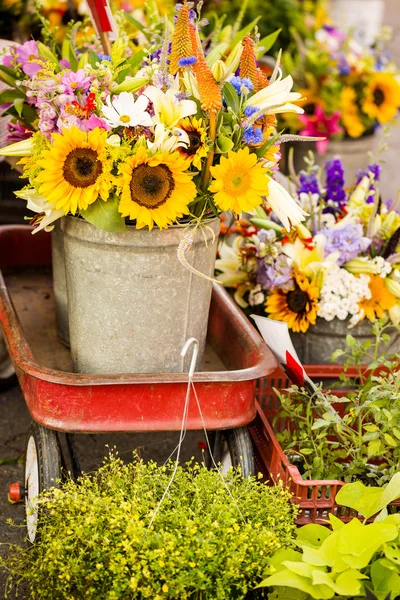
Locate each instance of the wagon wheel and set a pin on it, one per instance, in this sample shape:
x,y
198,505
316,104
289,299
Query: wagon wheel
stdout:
x,y
8,378
42,471
232,448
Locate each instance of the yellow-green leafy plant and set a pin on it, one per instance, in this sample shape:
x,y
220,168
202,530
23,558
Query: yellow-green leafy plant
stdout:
x,y
211,538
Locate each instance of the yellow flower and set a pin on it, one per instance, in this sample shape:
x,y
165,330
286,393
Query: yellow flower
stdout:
x,y
297,307
380,300
196,133
350,113
382,98
155,188
75,170
239,183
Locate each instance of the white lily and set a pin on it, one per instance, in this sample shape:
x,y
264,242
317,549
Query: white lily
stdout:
x,y
39,204
23,148
284,206
123,110
276,97
168,109
230,264
166,140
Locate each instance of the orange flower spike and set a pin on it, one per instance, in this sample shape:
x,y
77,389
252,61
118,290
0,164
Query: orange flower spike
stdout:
x,y
262,80
181,46
209,90
248,62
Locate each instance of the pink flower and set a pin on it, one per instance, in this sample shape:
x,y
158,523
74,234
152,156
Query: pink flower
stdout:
x,y
320,125
17,132
75,82
27,54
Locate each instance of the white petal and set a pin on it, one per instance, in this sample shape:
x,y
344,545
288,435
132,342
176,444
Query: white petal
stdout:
x,y
284,206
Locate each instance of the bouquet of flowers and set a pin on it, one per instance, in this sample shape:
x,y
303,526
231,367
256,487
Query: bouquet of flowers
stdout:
x,y
160,136
342,263
348,89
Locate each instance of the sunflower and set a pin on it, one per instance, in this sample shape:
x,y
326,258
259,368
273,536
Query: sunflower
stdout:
x,y
381,299
297,307
155,188
196,133
350,113
75,170
382,98
239,183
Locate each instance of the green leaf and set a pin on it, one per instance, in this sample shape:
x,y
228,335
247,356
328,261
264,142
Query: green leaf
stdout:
x,y
136,58
312,535
396,432
105,215
19,105
134,22
390,441
267,42
289,579
267,145
350,341
7,76
347,583
10,95
336,354
371,428
369,500
318,423
246,29
335,522
384,579
285,593
216,53
374,447
231,97
224,144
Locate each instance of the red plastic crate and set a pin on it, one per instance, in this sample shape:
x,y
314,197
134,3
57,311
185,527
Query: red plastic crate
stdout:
x,y
315,498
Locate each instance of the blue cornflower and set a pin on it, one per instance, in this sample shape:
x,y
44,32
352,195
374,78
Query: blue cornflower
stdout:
x,y
253,135
238,82
187,61
343,65
104,57
309,184
249,111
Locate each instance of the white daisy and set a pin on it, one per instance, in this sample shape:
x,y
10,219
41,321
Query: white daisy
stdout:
x,y
124,111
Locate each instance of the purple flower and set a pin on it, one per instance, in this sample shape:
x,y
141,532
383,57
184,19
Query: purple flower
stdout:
x,y
238,83
187,61
27,53
343,65
278,274
373,170
75,82
335,193
17,132
348,240
249,111
308,184
253,135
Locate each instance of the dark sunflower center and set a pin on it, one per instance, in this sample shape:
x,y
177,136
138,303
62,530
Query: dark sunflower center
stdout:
x,y
379,97
297,300
309,108
82,167
195,142
151,186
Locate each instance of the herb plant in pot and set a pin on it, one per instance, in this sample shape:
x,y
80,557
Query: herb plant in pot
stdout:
x,y
141,170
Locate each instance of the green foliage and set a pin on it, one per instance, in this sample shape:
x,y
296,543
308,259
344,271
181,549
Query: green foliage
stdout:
x,y
350,438
95,541
105,215
351,561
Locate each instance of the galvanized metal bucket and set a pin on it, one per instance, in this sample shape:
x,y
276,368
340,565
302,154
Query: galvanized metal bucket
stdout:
x,y
60,283
321,340
132,304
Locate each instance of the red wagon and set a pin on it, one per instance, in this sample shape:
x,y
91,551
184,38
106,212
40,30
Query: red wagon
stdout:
x,y
62,401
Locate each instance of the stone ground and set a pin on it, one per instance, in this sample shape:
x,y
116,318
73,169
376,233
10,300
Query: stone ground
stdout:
x,y
15,419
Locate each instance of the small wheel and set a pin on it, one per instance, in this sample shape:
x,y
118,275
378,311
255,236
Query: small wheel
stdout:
x,y
42,470
8,378
233,448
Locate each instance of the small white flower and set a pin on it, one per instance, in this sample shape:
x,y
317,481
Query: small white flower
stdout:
x,y
124,111
256,296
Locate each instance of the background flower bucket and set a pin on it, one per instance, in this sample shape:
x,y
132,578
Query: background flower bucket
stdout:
x,y
318,344
132,304
352,152
363,17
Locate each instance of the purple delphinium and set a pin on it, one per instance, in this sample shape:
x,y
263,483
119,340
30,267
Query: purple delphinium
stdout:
x,y
308,184
335,195
348,240
373,171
